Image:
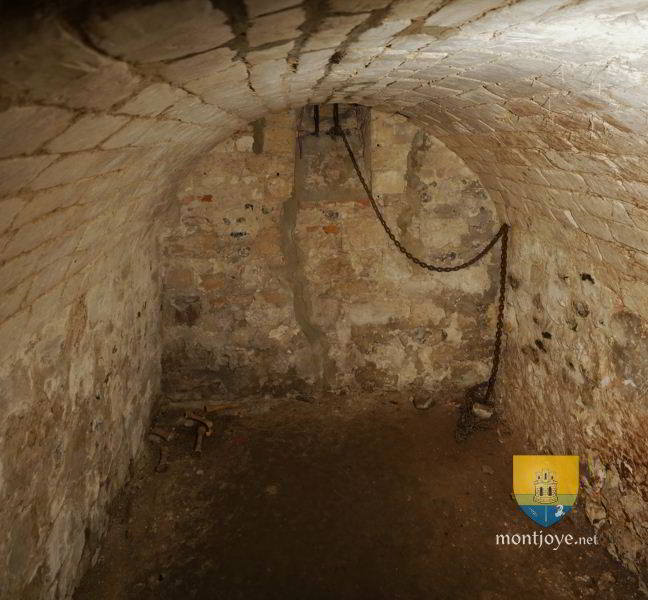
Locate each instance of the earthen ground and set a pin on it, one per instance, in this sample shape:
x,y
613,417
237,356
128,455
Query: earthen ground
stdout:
x,y
338,498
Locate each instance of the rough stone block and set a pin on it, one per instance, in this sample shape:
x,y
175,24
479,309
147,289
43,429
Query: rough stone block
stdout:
x,y
219,84
358,5
33,234
192,110
12,300
14,328
635,295
152,100
59,197
275,27
86,133
23,129
9,208
99,89
332,32
130,133
638,217
59,68
48,278
273,55
199,66
165,132
458,12
17,173
179,278
261,7
84,164
592,225
162,31
415,8
630,236
229,91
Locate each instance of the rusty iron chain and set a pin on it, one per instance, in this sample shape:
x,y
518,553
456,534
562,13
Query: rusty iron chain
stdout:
x,y
502,234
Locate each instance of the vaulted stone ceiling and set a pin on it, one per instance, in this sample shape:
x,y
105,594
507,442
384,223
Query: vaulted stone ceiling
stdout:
x,y
542,98
536,95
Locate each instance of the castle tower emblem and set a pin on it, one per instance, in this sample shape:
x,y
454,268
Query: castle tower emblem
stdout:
x,y
535,486
545,485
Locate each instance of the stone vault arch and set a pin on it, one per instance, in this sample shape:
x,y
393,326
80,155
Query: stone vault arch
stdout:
x,y
104,107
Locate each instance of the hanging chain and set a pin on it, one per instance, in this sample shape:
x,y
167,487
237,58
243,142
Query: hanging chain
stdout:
x,y
467,421
500,314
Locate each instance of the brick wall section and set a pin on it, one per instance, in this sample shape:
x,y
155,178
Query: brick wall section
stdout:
x,y
545,101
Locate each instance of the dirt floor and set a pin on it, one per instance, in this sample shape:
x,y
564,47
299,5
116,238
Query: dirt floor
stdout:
x,y
338,498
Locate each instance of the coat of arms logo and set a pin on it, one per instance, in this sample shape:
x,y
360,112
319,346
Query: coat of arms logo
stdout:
x,y
545,486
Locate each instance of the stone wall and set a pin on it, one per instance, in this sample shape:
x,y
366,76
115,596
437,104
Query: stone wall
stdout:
x,y
575,379
275,282
79,371
227,305
544,101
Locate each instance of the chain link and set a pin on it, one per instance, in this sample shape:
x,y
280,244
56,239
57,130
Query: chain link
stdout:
x,y
502,234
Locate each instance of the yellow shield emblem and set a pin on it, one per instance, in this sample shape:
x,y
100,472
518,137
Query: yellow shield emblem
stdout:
x,y
545,487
